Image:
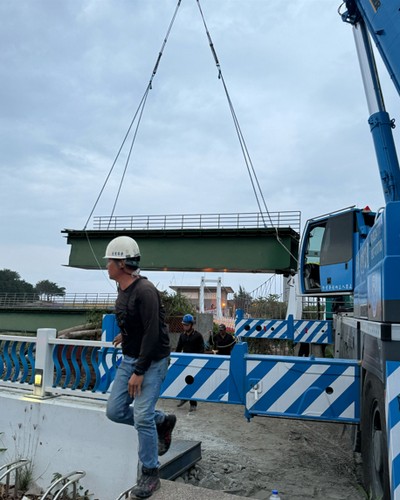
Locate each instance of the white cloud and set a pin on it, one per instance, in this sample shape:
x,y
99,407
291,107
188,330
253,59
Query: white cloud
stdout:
x,y
73,74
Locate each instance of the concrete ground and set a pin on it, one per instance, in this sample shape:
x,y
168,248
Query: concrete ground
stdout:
x,y
171,490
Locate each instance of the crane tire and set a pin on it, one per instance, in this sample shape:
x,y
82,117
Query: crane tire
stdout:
x,y
374,449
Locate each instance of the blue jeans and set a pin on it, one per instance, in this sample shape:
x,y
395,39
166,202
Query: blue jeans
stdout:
x,y
142,414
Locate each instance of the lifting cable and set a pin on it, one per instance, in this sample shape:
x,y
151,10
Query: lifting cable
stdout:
x,y
246,155
139,112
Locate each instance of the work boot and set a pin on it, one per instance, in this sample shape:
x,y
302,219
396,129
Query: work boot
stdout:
x,y
193,408
148,483
164,431
181,403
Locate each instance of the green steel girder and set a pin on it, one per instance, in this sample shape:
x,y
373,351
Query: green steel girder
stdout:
x,y
29,320
202,250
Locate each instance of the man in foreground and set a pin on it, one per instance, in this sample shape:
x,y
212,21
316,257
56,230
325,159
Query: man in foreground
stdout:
x,y
145,346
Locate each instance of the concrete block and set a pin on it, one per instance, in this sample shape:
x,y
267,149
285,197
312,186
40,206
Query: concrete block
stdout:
x,y
64,434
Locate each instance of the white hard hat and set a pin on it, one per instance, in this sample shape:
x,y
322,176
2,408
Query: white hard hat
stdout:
x,y
123,247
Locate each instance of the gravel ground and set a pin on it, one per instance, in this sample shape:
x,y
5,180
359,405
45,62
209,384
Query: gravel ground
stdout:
x,y
301,459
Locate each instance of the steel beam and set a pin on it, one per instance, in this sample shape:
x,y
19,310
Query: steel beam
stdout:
x,y
255,250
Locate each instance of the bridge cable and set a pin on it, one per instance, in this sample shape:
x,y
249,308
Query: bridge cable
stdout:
x,y
246,155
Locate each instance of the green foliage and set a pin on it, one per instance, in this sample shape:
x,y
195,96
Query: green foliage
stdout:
x,y
262,307
242,299
67,494
95,317
270,346
47,289
11,282
316,311
25,478
176,304
268,307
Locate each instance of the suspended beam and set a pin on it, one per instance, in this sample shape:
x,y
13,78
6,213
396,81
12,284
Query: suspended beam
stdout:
x,y
253,250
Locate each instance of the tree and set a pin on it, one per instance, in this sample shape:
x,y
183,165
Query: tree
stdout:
x,y
176,304
11,282
47,289
242,299
268,307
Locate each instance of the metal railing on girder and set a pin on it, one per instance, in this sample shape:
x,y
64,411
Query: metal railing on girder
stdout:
x,y
255,220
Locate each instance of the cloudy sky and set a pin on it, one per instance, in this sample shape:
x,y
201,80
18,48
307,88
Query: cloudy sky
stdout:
x,y
72,75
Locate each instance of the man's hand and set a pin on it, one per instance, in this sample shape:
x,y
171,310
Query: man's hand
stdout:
x,y
117,340
135,385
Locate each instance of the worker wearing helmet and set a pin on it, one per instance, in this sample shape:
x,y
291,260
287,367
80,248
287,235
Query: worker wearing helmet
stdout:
x,y
145,346
190,341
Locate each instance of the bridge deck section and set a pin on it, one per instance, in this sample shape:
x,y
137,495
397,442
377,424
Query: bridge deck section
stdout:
x,y
256,243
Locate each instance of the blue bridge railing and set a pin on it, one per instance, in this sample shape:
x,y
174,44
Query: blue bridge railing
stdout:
x,y
308,388
79,366
17,359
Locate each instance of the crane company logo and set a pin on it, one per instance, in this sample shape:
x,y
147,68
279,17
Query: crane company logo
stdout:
x,y
375,4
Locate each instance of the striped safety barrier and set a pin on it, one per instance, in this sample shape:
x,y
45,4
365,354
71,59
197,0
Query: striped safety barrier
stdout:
x,y
199,377
309,331
323,389
393,425
262,328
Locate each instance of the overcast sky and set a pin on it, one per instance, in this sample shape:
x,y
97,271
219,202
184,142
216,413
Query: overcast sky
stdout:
x,y
72,75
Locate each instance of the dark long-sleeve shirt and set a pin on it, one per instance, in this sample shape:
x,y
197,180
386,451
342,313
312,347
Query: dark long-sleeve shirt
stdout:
x,y
191,341
222,344
140,316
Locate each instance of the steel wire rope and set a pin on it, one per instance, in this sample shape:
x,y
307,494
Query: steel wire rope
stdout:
x,y
246,155
139,108
128,157
139,111
144,97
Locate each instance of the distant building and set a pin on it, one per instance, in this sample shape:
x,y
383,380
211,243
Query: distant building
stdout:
x,y
211,303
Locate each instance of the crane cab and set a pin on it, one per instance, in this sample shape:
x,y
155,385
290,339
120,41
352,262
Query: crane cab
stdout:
x,y
328,249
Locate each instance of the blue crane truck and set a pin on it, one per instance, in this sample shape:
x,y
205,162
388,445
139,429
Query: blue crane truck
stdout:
x,y
354,254
351,258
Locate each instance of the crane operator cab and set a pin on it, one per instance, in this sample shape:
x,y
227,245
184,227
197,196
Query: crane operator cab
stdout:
x,y
328,249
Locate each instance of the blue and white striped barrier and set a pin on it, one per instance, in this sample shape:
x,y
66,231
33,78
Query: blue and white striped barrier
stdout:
x,y
262,328
199,377
309,331
392,401
312,331
323,389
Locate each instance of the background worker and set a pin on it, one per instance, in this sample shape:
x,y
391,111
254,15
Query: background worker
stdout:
x,y
145,346
222,342
190,341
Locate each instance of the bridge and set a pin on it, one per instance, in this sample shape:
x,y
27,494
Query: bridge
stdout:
x,y
247,242
27,312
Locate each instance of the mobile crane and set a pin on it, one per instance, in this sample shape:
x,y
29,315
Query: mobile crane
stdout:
x,y
351,253
356,252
